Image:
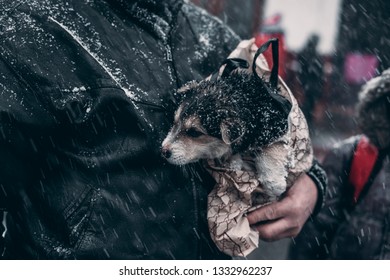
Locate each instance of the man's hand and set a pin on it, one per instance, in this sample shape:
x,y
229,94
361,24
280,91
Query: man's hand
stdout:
x,y
286,217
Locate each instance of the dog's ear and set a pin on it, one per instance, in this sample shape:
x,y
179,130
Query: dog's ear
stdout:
x,y
232,130
186,91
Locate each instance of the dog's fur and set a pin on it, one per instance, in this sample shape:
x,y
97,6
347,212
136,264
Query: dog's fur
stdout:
x,y
229,117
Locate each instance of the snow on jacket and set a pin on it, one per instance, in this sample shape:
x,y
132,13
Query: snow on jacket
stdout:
x,y
86,97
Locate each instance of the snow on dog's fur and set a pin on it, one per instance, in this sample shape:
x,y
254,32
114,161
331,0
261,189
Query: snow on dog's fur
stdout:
x,y
226,118
251,136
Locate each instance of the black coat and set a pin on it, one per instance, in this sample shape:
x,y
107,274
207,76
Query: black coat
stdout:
x,y
86,97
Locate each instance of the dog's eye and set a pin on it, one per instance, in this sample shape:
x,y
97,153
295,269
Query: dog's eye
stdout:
x,y
192,132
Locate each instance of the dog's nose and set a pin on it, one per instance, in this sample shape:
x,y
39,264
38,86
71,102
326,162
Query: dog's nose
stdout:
x,y
166,153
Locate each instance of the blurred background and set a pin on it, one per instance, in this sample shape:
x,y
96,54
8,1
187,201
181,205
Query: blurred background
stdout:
x,y
328,49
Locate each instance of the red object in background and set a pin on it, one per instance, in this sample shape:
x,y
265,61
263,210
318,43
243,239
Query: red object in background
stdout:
x,y
273,20
215,7
261,38
271,29
363,163
359,68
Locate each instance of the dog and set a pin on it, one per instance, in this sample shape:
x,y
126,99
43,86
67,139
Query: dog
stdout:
x,y
249,134
228,119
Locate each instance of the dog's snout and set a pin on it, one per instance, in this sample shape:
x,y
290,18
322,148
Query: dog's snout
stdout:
x,y
166,152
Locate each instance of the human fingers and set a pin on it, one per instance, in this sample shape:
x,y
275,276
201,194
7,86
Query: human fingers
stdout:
x,y
278,229
269,212
281,219
278,220
298,202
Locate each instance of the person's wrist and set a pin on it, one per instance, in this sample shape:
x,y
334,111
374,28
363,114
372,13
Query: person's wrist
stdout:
x,y
318,175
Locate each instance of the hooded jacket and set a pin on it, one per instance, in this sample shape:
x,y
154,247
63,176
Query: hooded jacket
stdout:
x,y
86,97
345,229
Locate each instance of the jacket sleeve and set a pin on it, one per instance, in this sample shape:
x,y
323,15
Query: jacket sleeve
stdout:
x,y
315,239
319,177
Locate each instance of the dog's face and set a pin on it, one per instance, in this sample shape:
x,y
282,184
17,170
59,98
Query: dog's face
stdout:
x,y
188,141
219,117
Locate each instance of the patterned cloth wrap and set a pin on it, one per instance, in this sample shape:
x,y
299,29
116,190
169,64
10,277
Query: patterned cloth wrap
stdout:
x,y
236,190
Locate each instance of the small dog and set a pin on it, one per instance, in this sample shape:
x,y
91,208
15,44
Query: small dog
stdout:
x,y
231,117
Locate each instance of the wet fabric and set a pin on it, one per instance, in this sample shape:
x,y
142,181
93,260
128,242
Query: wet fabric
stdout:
x,y
86,97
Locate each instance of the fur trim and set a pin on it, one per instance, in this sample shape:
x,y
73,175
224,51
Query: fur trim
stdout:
x,y
373,110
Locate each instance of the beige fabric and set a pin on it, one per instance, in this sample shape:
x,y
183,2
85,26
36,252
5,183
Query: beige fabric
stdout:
x,y
239,190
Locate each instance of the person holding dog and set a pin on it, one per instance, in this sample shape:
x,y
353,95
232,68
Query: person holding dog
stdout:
x,y
354,223
87,93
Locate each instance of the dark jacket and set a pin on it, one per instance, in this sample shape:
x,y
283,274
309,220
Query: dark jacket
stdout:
x,y
343,229
86,97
